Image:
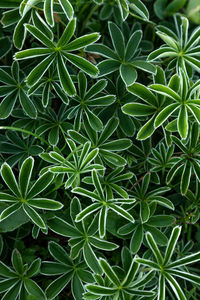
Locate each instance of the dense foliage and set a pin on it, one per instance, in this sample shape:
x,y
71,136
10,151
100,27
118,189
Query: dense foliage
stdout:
x,y
99,150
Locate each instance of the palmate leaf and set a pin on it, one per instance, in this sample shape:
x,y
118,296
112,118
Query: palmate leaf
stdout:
x,y
80,164
24,195
124,59
16,91
108,156
178,43
59,53
14,287
79,241
156,107
166,268
68,269
112,281
86,100
102,204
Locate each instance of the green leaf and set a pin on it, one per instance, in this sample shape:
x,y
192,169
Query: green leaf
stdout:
x,y
121,211
154,248
175,287
91,259
163,201
7,197
6,284
103,50
161,221
41,25
67,33
53,136
170,41
82,64
139,7
82,84
62,95
128,74
88,211
113,158
65,78
101,101
93,120
33,288
186,276
172,244
54,268
5,271
183,122
13,221
188,259
165,113
101,290
134,266
48,12
86,193
185,177
82,42
77,287
118,145
108,130
95,89
144,66
59,253
174,83
161,287
166,91
13,292
34,267
31,53
40,184
136,239
6,78
44,203
27,105
62,227
109,272
67,8
144,211
102,244
117,39
9,179
108,66
97,184
174,6
7,104
143,93
146,130
34,216
20,31
56,287
133,44
40,36
17,261
195,111
39,70
10,210
148,263
102,221
137,109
